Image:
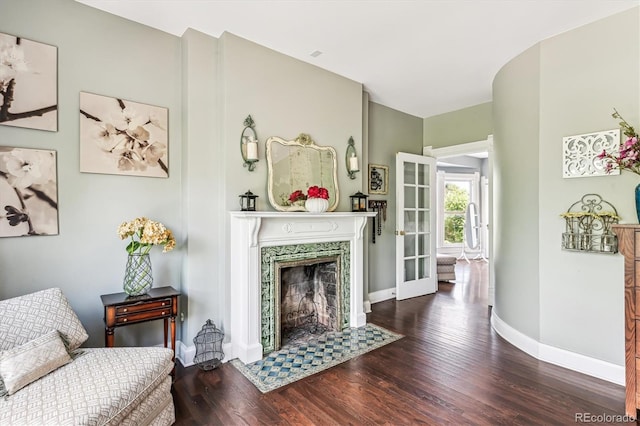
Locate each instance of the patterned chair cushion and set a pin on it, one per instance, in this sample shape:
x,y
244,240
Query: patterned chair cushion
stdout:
x,y
27,363
28,317
104,386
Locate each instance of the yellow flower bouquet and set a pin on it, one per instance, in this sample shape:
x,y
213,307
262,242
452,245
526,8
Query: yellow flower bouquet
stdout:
x,y
144,234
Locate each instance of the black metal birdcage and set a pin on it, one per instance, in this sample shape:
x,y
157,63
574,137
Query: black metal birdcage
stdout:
x,y
208,343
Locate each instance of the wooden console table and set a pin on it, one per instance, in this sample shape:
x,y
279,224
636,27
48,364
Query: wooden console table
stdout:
x,y
121,310
629,246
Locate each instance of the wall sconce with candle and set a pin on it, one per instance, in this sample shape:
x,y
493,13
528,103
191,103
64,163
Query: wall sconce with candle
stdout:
x,y
352,159
249,144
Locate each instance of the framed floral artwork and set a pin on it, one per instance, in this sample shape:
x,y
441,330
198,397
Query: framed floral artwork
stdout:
x,y
28,83
28,192
378,179
122,137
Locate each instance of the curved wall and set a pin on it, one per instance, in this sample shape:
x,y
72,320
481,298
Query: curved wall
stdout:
x,y
568,305
516,174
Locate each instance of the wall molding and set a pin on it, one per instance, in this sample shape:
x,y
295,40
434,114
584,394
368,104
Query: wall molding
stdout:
x,y
459,149
382,295
560,357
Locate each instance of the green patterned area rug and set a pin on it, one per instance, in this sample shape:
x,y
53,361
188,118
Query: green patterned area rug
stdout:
x,y
293,363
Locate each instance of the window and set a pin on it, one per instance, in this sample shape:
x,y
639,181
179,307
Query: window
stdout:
x,y
456,198
455,192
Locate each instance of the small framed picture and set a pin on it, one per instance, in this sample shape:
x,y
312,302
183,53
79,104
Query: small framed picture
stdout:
x,y
378,179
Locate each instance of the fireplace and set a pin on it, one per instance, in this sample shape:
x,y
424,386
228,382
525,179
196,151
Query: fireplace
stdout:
x,y
308,303
265,245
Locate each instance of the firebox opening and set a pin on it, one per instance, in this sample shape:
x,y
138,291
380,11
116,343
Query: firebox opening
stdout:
x,y
309,299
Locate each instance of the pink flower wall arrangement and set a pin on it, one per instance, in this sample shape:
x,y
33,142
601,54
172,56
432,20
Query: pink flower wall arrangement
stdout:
x,y
122,137
28,192
627,156
28,83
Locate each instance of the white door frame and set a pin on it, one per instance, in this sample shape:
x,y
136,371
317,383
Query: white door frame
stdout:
x,y
472,148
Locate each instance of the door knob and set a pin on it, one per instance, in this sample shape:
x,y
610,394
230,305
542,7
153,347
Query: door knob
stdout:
x,y
400,233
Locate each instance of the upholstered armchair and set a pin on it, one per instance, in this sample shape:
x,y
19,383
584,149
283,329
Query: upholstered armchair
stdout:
x,y
47,378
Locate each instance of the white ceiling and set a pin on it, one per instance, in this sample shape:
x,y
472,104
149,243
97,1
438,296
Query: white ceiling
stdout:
x,y
422,57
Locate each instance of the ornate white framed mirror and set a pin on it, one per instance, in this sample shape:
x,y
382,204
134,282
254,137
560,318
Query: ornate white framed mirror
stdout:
x,y
297,165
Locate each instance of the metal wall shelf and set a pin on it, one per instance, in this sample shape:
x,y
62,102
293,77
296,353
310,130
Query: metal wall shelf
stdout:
x,y
589,226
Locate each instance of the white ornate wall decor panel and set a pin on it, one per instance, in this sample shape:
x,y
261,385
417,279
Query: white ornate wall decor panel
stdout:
x,y
580,153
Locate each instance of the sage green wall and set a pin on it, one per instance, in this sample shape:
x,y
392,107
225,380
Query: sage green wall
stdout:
x,y
390,132
465,125
577,99
565,85
516,171
203,272
285,97
103,54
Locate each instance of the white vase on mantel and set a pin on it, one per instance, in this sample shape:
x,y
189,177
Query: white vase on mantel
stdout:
x,y
316,205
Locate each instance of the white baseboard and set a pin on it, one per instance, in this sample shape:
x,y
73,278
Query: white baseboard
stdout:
x,y
185,354
561,357
382,295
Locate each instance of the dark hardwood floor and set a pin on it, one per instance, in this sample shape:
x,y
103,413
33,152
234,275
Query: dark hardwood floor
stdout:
x,y
450,368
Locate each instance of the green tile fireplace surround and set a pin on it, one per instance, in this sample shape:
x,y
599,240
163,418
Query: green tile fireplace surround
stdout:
x,y
272,256
262,240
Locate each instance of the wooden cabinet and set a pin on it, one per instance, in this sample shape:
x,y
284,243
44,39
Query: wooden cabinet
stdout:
x,y
629,246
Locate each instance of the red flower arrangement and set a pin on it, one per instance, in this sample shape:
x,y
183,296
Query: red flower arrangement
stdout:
x,y
318,192
313,192
297,195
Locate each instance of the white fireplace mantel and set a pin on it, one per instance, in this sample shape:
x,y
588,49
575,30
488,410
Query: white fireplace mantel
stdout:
x,y
250,231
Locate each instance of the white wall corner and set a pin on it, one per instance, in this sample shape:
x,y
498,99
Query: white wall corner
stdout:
x,y
382,295
185,354
367,307
560,357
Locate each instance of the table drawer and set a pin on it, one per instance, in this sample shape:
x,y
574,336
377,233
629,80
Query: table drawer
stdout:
x,y
144,316
143,306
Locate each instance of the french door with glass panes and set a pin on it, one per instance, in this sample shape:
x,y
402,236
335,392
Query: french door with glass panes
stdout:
x,y
415,225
